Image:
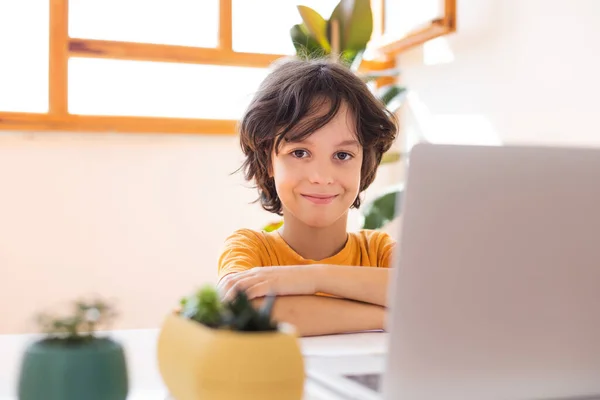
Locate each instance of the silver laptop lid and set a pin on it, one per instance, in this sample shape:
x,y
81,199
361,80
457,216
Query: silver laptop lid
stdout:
x,y
497,294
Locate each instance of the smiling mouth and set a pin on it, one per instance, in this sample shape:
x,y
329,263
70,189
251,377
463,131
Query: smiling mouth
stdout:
x,y
319,199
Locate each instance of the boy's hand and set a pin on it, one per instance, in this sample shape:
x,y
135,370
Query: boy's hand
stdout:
x,y
260,281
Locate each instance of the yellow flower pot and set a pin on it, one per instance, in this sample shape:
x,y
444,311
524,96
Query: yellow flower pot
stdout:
x,y
197,362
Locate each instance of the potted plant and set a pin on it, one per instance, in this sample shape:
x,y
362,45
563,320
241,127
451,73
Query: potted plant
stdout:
x,y
345,36
229,350
71,361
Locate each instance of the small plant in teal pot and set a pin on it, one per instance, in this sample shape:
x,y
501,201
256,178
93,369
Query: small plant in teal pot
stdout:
x,y
71,361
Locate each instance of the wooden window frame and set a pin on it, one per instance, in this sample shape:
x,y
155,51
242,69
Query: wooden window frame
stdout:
x,y
440,26
62,47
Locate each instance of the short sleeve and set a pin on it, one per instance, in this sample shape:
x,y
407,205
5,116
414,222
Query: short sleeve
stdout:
x,y
241,251
385,250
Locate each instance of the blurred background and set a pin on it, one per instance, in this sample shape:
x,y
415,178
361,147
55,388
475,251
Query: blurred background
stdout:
x,y
117,122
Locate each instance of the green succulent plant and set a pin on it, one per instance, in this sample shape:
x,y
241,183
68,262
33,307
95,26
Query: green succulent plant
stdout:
x,y
237,314
203,306
242,316
80,325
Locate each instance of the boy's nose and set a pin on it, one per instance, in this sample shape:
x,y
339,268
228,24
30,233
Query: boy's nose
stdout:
x,y
320,173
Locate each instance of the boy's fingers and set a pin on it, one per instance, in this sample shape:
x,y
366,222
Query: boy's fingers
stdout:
x,y
258,290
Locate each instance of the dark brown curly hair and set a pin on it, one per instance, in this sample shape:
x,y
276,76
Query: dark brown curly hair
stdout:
x,y
284,109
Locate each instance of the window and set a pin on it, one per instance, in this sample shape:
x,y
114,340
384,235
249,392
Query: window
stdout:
x,y
403,17
255,34
164,66
174,22
158,89
409,23
24,61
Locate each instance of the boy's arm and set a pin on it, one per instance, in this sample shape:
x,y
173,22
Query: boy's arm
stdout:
x,y
364,284
369,285
317,315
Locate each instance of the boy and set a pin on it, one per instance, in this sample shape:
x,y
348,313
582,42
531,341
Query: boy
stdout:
x,y
313,137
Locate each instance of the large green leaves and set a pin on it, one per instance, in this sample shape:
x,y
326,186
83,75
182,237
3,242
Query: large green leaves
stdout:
x,y
383,209
316,26
304,43
355,25
391,95
355,19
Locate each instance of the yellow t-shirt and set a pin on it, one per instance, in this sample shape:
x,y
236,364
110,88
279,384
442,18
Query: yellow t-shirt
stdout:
x,y
247,248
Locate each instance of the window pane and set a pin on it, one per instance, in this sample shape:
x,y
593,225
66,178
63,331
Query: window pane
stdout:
x,y
403,16
263,26
152,89
24,55
176,22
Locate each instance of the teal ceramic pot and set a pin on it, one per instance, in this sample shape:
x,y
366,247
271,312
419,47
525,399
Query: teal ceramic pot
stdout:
x,y
57,370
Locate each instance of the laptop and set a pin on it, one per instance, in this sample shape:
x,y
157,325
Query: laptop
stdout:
x,y
496,288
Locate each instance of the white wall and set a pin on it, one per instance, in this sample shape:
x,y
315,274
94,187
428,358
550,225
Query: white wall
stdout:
x,y
524,71
138,218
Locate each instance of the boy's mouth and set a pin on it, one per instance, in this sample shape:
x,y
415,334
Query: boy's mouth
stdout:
x,y
320,198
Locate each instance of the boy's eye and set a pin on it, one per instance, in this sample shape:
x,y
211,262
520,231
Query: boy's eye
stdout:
x,y
300,153
343,156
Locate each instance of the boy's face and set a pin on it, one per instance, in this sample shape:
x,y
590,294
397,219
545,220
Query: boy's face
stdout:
x,y
318,179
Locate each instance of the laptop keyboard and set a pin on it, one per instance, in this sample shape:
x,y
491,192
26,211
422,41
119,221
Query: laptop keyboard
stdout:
x,y
372,381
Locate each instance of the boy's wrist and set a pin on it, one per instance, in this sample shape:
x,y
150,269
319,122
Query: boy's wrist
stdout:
x,y
319,275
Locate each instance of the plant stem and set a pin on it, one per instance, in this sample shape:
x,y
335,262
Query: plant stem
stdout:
x,y
335,38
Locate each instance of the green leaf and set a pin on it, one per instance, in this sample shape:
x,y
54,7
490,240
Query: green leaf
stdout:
x,y
383,209
348,57
355,19
359,26
390,93
244,317
305,45
273,226
390,157
316,25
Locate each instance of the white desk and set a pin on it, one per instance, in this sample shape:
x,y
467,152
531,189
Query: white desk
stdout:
x,y
337,353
